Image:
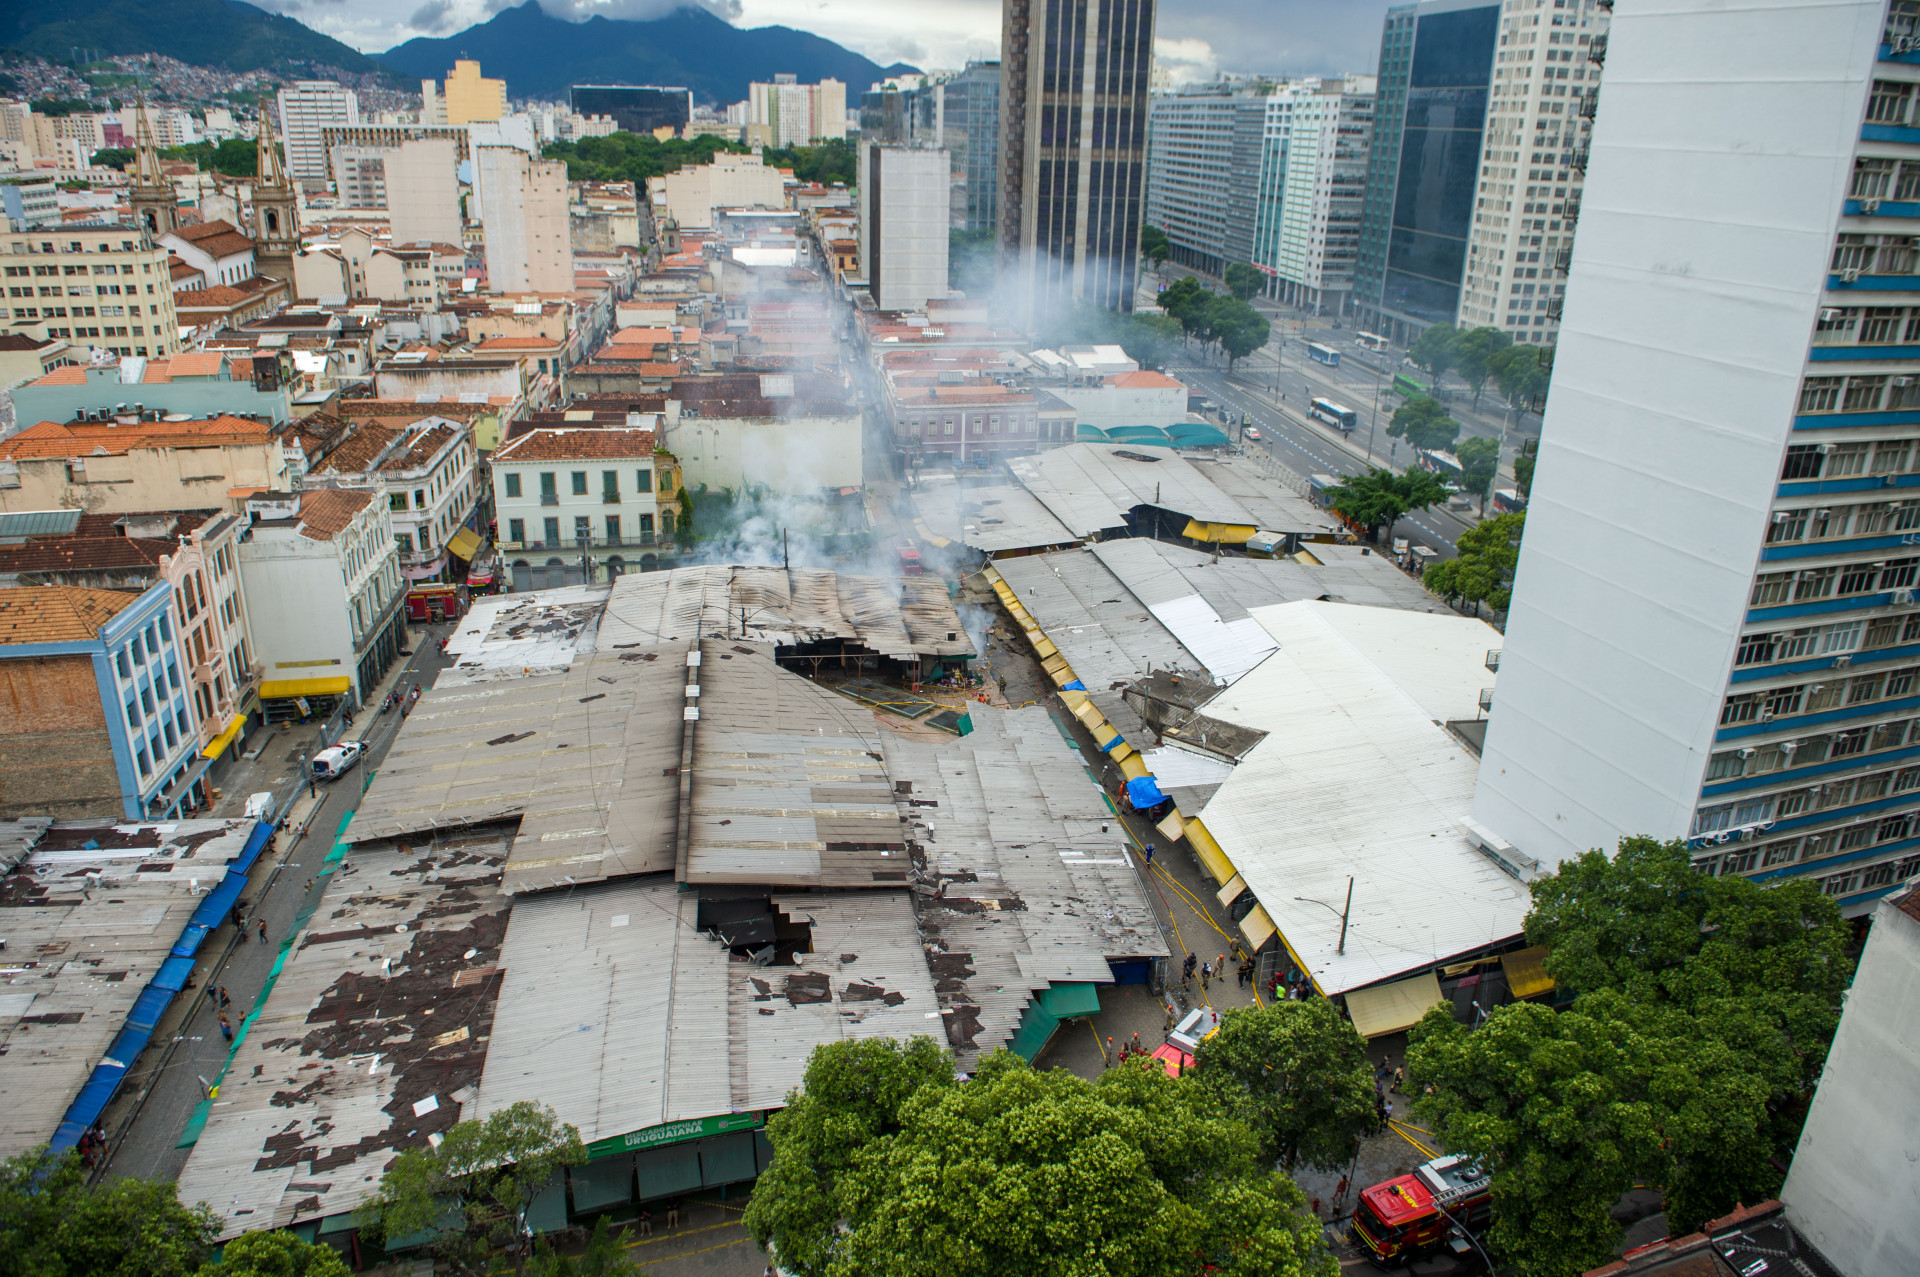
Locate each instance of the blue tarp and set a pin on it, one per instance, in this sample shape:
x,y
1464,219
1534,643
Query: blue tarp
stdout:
x,y
154,999
1144,792
1113,744
1075,686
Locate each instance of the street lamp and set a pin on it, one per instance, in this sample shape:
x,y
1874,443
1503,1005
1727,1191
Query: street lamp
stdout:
x,y
1344,913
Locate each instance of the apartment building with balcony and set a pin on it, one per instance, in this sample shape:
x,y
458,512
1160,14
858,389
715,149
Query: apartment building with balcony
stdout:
x,y
427,472
215,641
1716,634
586,504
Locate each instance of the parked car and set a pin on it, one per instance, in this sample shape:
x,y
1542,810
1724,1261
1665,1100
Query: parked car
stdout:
x,y
334,761
1252,433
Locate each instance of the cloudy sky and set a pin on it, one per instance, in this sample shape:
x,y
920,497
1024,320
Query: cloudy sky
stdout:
x,y
1196,37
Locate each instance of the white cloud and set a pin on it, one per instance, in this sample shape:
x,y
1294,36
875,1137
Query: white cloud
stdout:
x,y
930,34
1188,60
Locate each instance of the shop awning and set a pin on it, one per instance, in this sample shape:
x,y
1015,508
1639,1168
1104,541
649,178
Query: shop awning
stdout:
x,y
1063,1000
218,745
1225,533
1257,927
1389,1008
463,543
286,689
1231,892
1526,975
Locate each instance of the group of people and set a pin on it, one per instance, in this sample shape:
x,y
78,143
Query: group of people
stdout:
x,y
1292,987
1387,1078
92,1146
1217,969
1126,1052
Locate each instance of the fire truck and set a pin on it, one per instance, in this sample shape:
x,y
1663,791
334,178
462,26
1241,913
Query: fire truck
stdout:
x,y
1412,1216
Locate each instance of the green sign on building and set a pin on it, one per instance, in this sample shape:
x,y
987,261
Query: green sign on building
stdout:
x,y
675,1133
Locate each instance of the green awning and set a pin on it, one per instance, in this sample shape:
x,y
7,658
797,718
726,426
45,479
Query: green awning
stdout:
x,y
1036,1027
1063,1000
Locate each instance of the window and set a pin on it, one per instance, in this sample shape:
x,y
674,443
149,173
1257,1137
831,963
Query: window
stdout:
x,y
1780,853
1755,649
1900,682
517,530
609,485
552,532
1837,326
1863,394
1872,178
613,529
1820,394
579,483
396,501
1853,252
1815,583
546,484
666,482
1858,578
1740,709
405,541
582,528
513,488
642,482
1772,587
1725,765
1890,102
1782,700
1787,525
1891,457
1847,460
1803,462
1864,689
120,660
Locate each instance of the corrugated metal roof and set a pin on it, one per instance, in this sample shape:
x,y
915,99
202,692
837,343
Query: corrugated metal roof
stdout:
x,y
1093,486
38,523
1035,884
1272,506
1361,780
386,1000
991,519
84,952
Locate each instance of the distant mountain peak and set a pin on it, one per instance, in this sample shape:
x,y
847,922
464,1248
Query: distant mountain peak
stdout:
x,y
540,55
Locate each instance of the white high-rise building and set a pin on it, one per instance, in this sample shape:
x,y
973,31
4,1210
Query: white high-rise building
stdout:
x,y
1204,150
903,223
1546,87
1714,634
528,241
423,191
795,114
306,107
1321,191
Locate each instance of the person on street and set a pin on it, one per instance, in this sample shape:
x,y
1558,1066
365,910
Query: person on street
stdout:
x,y
226,1027
263,929
1206,970
1149,853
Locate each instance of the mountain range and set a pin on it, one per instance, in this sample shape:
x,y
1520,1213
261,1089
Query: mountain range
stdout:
x,y
208,33
540,56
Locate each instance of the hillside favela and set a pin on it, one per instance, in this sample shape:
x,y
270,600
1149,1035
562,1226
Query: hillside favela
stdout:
x,y
961,638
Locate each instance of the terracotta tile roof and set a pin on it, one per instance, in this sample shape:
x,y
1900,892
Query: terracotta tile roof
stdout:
x,y
58,613
83,553
641,337
69,375
217,297
1144,380
420,449
518,343
355,453
585,443
20,341
195,363
216,239
178,269
326,512
105,438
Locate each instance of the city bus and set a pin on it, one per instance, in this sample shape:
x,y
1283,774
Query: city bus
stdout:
x,y
1370,341
1341,418
1323,354
1406,387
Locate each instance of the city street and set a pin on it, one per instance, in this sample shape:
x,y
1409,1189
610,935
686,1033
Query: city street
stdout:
x,y
161,1093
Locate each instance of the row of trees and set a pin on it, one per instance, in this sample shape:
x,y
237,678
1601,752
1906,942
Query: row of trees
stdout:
x,y
234,157
1479,355
635,157
1482,570
1226,321
1702,1010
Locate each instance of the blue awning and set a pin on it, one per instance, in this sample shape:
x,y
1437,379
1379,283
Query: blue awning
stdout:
x,y
1144,792
1075,686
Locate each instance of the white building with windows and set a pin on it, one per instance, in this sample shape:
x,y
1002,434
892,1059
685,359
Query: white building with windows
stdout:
x,y
428,474
1715,634
307,107
1314,203
904,194
1546,91
577,505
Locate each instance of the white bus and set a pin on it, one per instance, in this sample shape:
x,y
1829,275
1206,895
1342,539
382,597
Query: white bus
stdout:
x,y
1370,341
1323,354
1341,418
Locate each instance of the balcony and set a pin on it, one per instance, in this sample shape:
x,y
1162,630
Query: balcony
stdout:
x,y
1486,700
1563,259
609,498
1589,103
549,498
626,541
1493,659
1579,160
1597,51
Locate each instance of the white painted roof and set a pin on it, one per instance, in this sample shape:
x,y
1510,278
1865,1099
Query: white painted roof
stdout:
x,y
1356,777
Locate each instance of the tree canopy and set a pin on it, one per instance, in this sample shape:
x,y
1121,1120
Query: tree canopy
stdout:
x,y
1434,350
1243,280
1702,1012
275,1254
1379,497
1473,353
1297,1074
1522,378
1218,320
902,1169
635,157
471,1194
1479,464
1523,466
1422,422
829,161
1154,245
1482,570
1151,340
54,1224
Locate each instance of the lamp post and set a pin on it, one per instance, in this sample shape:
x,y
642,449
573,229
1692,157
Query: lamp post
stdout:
x,y
1344,913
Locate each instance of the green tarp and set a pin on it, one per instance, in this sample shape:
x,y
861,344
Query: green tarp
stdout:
x,y
1139,434
1084,433
1036,1027
1194,435
1063,1000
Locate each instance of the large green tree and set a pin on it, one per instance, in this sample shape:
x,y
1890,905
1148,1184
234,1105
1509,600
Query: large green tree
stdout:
x,y
1702,1012
1243,280
54,1224
1297,1074
1187,300
470,1195
275,1254
1522,377
1422,422
1481,570
1523,466
635,157
1378,498
1473,354
1479,464
1236,327
1154,245
1434,350
829,161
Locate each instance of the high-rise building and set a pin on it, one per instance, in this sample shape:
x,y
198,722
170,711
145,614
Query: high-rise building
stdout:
x,y
634,108
1714,634
904,223
1322,192
795,114
306,107
126,305
1204,151
360,176
1546,89
423,192
524,203
468,96
959,112
1073,152
1435,77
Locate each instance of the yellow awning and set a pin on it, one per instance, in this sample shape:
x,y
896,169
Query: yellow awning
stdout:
x,y
1393,1007
1132,766
286,689
463,543
1258,928
1526,975
218,745
1209,852
1231,892
1224,533
1172,827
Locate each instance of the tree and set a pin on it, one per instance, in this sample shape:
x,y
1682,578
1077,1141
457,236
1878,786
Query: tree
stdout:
x,y
603,1257
1187,299
1473,353
1297,1074
277,1254
1016,1170
1523,466
1422,422
1522,378
1379,497
53,1222
1482,569
1154,245
1236,327
1244,280
1150,339
470,1195
1433,350
828,162
853,1096
635,157
1479,464
114,157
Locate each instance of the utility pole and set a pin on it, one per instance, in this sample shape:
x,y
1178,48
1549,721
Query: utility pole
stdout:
x,y
1344,915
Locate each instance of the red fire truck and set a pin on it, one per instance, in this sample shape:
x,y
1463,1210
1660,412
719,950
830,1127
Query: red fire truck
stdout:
x,y
1412,1216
